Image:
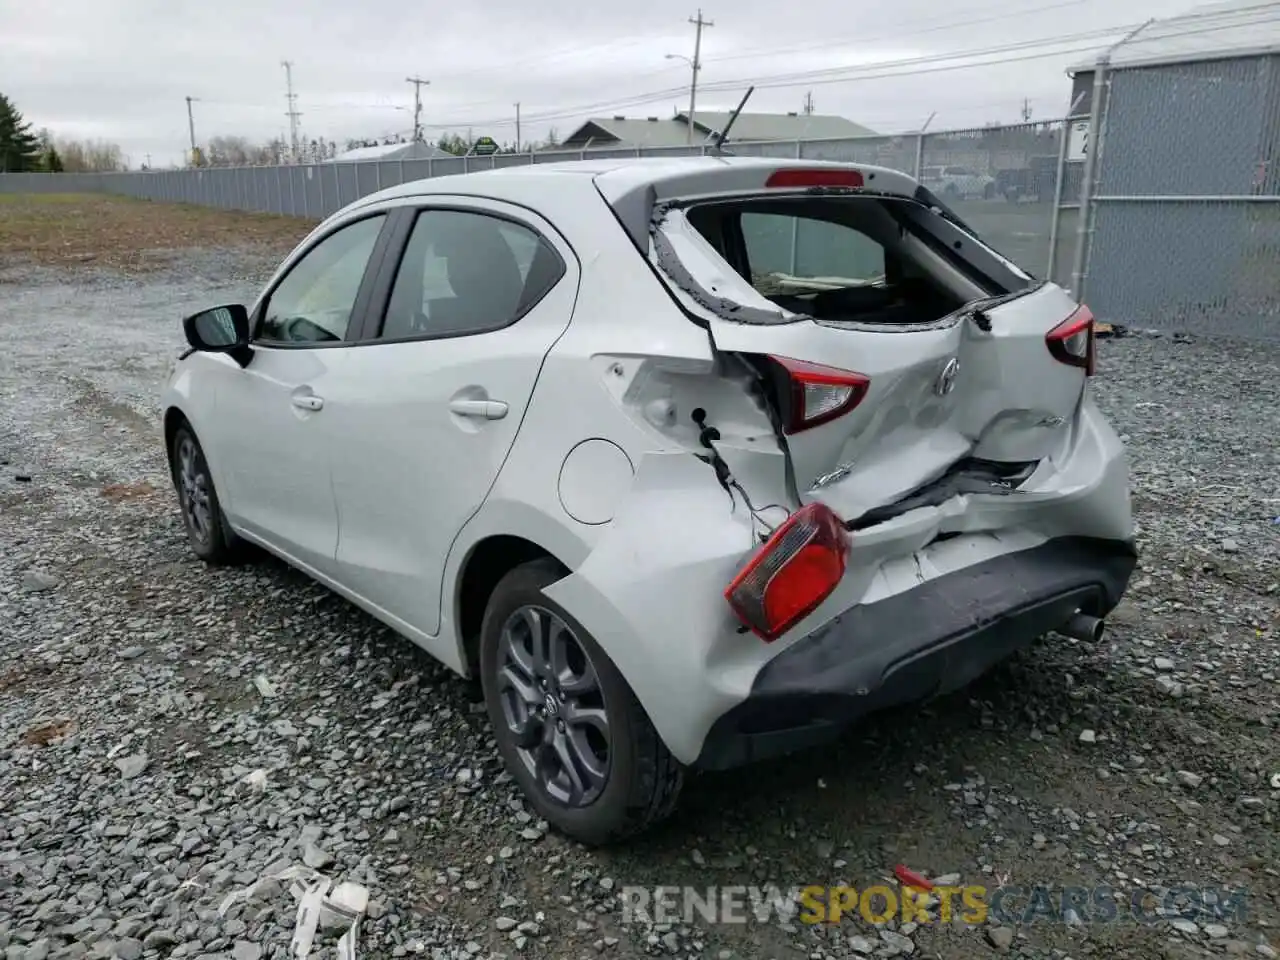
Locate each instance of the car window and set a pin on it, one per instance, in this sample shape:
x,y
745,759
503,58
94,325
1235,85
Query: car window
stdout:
x,y
465,273
313,303
787,254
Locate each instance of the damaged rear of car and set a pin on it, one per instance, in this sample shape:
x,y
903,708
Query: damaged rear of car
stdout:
x,y
901,419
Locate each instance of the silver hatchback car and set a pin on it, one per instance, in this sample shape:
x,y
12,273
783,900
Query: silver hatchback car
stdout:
x,y
690,462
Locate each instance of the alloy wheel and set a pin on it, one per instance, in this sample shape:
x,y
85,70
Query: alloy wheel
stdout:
x,y
193,489
553,706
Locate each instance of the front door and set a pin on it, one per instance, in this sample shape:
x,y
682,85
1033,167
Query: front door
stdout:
x,y
274,458
427,409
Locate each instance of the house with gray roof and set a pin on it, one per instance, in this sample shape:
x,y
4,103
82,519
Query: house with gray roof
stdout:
x,y
413,150
654,132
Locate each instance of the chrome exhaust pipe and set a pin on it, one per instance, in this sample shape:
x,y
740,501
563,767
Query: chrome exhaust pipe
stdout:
x,y
1081,626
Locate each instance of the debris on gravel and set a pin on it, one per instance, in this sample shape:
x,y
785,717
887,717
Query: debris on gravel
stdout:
x,y
171,734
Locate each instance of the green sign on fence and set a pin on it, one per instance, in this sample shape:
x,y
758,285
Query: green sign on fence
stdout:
x,y
485,147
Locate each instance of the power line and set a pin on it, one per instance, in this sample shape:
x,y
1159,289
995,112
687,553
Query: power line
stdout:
x,y
1034,50
895,34
822,76
1025,51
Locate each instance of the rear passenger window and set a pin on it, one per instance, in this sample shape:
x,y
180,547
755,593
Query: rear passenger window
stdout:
x,y
786,251
465,273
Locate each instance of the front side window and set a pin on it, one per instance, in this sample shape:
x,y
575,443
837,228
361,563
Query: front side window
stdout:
x,y
466,273
313,303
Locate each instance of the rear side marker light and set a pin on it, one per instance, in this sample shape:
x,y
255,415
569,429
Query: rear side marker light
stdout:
x,y
791,573
1073,341
814,178
812,394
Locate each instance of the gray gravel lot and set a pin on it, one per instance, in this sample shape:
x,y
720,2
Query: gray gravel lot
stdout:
x,y
139,690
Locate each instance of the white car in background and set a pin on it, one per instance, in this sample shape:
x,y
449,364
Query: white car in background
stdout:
x,y
958,183
584,432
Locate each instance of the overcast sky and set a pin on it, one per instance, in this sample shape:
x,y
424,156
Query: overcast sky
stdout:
x,y
120,70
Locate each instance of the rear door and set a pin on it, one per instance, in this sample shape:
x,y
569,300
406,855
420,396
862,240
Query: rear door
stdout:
x,y
472,296
967,374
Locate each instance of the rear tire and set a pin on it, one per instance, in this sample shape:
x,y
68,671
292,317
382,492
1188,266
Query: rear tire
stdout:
x,y
569,728
211,539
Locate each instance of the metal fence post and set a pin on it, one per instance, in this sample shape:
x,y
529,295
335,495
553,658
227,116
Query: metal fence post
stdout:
x,y
795,225
1090,171
1055,215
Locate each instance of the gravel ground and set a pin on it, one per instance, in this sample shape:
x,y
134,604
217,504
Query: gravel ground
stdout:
x,y
170,734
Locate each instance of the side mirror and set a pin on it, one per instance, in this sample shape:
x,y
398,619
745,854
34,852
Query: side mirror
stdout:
x,y
222,329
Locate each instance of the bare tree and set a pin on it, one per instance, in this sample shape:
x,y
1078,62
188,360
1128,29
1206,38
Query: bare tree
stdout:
x,y
90,156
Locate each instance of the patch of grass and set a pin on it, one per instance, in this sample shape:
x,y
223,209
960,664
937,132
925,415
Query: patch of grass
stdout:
x,y
97,230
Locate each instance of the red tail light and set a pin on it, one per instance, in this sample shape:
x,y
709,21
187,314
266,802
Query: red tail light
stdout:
x,y
1072,341
791,573
835,177
811,394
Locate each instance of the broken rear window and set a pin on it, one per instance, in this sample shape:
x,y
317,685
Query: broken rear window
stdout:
x,y
836,259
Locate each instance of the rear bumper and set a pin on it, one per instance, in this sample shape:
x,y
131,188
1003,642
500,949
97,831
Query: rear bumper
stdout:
x,y
929,640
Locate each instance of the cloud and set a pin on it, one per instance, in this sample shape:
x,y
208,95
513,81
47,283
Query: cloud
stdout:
x,y
122,70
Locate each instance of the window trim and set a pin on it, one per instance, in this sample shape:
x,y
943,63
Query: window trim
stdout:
x,y
359,307
406,218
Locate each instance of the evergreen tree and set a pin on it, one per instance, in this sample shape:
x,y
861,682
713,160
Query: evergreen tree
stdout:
x,y
19,147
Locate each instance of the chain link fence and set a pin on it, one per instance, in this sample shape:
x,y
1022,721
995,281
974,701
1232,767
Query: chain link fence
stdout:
x,y
1172,223
1165,216
1002,179
1184,218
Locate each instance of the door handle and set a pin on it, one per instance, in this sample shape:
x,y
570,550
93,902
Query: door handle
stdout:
x,y
481,409
308,402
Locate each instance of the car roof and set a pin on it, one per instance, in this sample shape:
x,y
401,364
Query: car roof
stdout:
x,y
632,186
617,175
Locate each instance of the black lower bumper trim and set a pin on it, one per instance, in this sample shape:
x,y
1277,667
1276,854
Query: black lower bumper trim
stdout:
x,y
920,643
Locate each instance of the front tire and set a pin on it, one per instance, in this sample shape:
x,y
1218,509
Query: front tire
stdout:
x,y
211,539
569,728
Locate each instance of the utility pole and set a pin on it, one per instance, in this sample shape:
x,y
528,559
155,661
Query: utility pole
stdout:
x,y
1026,110
517,126
191,127
418,84
292,113
808,104
696,65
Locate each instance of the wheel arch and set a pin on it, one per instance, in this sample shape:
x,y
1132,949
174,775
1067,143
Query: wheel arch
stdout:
x,y
173,419
486,563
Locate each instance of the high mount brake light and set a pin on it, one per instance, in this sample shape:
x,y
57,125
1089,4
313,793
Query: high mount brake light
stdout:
x,y
1073,341
811,394
792,572
792,177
